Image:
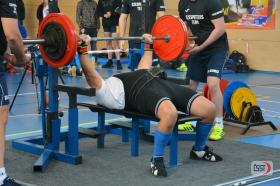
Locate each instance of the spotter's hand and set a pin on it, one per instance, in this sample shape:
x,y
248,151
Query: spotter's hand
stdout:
x,y
195,49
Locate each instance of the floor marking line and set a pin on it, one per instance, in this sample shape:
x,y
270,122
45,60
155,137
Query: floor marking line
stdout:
x,y
266,110
23,94
266,87
63,127
268,101
26,115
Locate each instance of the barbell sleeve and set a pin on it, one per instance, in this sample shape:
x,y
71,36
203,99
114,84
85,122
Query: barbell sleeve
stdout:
x,y
33,41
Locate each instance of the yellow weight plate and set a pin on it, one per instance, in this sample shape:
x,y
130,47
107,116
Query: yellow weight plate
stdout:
x,y
239,96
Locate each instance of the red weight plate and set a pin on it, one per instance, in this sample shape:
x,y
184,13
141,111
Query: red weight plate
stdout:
x,y
71,37
177,31
223,85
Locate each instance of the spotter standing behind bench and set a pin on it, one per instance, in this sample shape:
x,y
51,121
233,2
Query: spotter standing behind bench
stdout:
x,y
143,92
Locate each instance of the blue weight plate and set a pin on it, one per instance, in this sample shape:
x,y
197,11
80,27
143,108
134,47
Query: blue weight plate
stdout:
x,y
228,92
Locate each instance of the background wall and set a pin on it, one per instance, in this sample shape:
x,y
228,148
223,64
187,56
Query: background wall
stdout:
x,y
261,47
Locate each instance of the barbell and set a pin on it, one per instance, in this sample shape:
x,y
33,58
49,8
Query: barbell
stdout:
x,y
58,39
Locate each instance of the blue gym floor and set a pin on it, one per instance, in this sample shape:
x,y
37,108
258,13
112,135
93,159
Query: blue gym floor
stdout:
x,y
24,119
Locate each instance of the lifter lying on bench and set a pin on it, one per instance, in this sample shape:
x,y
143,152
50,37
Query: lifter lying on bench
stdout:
x,y
143,92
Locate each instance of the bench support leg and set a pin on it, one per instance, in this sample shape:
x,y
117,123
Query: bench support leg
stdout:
x,y
135,137
101,129
125,135
173,156
71,143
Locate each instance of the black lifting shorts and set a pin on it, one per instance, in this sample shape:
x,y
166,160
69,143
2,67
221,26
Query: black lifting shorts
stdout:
x,y
151,91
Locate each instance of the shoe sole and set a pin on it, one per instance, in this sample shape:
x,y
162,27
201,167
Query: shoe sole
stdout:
x,y
202,159
215,139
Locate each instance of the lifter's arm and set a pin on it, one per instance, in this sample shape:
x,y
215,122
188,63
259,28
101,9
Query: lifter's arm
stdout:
x,y
93,78
147,59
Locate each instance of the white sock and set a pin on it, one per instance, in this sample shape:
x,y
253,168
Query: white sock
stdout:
x,y
3,175
219,122
194,123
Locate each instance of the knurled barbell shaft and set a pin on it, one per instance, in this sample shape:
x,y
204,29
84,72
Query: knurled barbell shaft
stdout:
x,y
166,38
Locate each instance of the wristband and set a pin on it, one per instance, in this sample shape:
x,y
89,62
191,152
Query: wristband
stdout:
x,y
82,50
148,47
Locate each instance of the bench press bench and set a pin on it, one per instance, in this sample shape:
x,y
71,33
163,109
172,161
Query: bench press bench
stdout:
x,y
135,125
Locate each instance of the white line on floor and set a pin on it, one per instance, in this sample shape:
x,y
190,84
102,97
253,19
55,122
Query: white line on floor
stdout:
x,y
28,115
24,94
263,100
266,110
253,86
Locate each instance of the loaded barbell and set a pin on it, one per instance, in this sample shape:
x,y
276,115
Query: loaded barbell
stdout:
x,y
58,39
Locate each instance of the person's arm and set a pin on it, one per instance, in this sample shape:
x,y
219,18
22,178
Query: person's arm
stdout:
x,y
122,24
125,10
216,15
147,59
14,39
218,31
122,28
93,78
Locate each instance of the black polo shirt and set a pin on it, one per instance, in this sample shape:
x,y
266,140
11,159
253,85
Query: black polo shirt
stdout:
x,y
135,9
8,9
198,15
